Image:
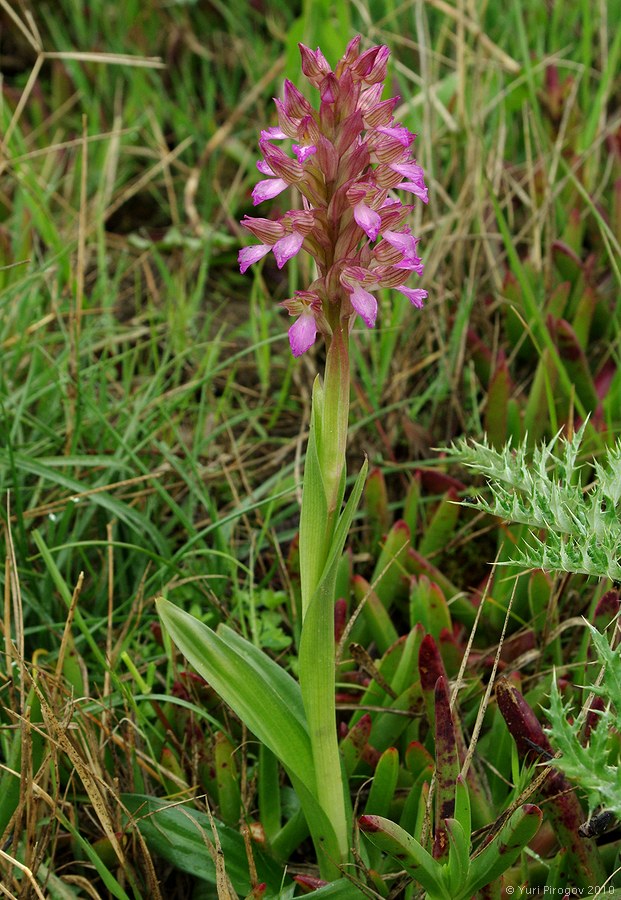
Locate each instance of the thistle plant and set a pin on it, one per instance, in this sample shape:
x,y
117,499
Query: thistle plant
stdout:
x,y
595,766
582,535
582,525
348,156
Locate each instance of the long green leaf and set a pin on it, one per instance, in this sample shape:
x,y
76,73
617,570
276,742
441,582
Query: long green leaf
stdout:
x,y
456,868
285,685
265,698
462,806
177,834
344,523
411,855
502,852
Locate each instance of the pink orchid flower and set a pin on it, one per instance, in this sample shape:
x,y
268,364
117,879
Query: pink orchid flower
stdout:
x,y
348,157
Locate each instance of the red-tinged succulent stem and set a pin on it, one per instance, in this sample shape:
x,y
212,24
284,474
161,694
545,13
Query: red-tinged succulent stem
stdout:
x,y
370,823
447,766
309,883
432,673
563,807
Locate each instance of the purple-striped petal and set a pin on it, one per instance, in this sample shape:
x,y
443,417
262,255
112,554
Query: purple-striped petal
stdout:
x,y
351,276
287,247
314,64
249,255
365,305
264,168
302,333
265,190
368,219
415,296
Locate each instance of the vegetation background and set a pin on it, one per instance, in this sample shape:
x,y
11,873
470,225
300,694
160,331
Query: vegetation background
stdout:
x,y
152,419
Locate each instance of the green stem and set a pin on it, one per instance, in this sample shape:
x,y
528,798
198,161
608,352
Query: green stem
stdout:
x,y
335,419
324,470
324,484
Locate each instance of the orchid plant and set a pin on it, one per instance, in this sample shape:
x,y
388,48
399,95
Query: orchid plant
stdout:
x,y
348,158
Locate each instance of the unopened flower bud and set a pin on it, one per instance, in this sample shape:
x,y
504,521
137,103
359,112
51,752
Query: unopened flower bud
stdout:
x,y
281,164
371,65
350,56
295,103
314,64
266,230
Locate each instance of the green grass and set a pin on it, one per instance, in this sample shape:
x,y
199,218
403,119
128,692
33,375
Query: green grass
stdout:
x,y
153,422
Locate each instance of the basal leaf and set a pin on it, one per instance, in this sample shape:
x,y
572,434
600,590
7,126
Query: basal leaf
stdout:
x,y
177,833
265,698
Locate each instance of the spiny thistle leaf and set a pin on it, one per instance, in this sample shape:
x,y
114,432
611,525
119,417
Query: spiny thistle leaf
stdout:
x,y
583,524
589,765
610,688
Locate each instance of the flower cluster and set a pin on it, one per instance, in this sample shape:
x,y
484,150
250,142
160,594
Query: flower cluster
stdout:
x,y
348,158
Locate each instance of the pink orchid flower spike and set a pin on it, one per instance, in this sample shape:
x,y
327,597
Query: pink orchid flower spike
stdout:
x,y
347,158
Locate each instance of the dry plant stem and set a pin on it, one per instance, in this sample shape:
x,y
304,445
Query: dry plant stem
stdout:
x,y
25,871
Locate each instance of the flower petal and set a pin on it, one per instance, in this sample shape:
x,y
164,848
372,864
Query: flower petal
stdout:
x,y
249,255
273,134
264,169
265,190
314,64
266,231
399,132
303,151
371,65
295,103
281,164
410,170
302,333
412,265
368,219
415,296
365,305
415,179
415,188
404,241
287,247
351,276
